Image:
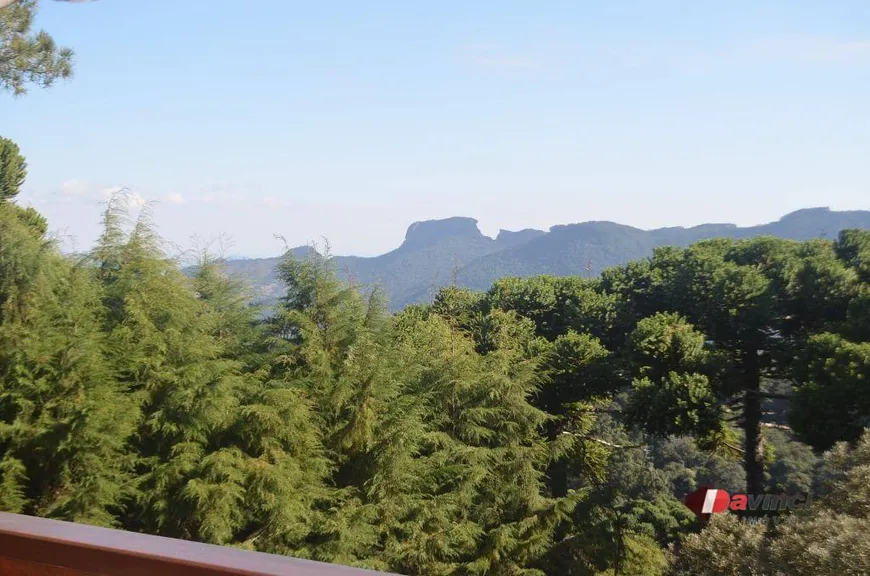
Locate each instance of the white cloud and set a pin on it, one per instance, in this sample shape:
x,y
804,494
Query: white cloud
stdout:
x,y
273,202
176,199
74,187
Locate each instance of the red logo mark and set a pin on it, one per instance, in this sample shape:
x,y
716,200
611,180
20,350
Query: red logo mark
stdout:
x,y
707,501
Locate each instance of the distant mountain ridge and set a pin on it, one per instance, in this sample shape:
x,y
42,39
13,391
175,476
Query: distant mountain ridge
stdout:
x,y
435,253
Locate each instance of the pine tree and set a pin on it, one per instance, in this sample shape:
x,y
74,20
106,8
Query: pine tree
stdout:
x,y
331,345
164,353
65,420
272,443
477,504
13,169
28,57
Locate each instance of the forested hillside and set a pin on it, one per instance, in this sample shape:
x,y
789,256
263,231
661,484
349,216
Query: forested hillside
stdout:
x,y
537,404
439,253
546,425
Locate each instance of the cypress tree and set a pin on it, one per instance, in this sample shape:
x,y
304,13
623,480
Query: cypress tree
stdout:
x,y
274,444
331,345
163,352
65,420
13,169
477,503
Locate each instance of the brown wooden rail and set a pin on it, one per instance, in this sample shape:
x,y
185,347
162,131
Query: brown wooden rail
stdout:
x,y
39,547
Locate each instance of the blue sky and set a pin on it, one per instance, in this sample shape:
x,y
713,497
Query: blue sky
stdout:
x,y
350,120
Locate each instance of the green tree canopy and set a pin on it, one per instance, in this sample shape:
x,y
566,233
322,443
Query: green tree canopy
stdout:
x,y
13,169
64,417
832,536
28,57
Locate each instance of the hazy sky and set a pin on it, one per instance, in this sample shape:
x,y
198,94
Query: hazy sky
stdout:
x,y
350,120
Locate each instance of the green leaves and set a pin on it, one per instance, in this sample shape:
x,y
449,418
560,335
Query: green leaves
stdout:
x,y
575,368
677,404
28,57
670,395
853,249
65,419
832,401
545,427
13,483
665,343
828,537
726,547
13,168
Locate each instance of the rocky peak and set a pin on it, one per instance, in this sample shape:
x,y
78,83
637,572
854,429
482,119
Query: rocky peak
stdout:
x,y
430,232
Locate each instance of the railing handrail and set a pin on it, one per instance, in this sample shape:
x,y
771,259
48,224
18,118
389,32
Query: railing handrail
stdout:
x,y
108,552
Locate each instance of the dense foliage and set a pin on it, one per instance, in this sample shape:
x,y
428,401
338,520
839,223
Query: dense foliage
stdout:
x,y
28,57
547,426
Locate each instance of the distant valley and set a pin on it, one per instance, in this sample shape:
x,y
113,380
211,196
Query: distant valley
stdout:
x,y
436,253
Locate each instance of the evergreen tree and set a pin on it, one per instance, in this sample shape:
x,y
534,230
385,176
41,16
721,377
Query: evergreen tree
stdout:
x,y
754,303
28,57
223,456
65,420
831,401
671,395
480,506
330,345
831,536
13,169
164,354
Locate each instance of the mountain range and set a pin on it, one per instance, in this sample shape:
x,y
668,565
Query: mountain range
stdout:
x,y
437,253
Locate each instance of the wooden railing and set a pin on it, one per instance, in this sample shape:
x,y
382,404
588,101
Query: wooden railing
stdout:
x,y
39,547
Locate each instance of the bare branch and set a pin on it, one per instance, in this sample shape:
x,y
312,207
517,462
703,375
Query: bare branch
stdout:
x,y
770,395
617,446
775,425
735,448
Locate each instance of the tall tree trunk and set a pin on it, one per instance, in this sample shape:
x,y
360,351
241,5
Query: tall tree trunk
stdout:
x,y
753,457
558,478
618,540
557,471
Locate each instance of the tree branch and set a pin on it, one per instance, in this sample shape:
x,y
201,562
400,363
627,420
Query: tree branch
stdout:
x,y
770,395
775,425
735,448
617,446
605,442
600,410
5,3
